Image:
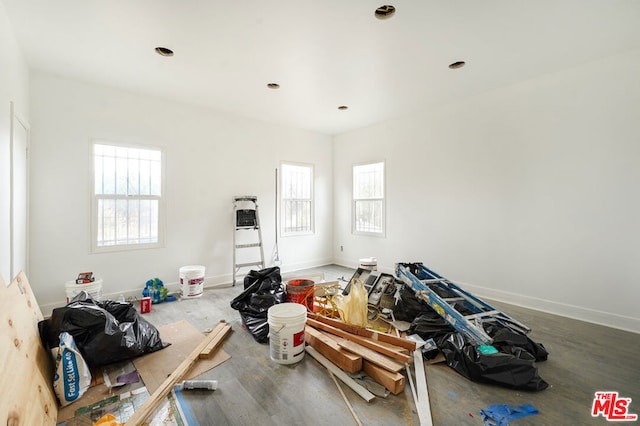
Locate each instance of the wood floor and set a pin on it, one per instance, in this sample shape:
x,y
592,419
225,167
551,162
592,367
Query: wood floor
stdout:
x,y
252,389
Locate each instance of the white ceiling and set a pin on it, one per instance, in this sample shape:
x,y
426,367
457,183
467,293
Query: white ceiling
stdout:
x,y
323,53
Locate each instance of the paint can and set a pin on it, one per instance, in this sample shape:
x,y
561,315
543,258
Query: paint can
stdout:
x,y
300,291
369,263
145,305
191,281
286,332
94,289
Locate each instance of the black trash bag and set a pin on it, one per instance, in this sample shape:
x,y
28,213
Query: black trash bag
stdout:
x,y
430,325
516,370
408,307
508,341
262,289
105,332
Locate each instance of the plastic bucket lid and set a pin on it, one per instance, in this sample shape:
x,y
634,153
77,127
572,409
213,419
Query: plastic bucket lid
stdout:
x,y
287,313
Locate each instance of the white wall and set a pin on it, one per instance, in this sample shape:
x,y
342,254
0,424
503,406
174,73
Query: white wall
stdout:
x,y
529,194
14,87
211,157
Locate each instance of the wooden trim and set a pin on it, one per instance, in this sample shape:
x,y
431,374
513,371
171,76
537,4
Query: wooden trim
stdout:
x,y
424,407
360,390
220,332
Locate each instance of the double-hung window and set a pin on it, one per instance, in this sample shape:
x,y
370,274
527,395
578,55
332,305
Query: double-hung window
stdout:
x,y
368,199
297,199
127,205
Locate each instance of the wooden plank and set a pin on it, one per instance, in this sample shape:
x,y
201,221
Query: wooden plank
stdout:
x,y
140,415
424,407
364,332
360,390
370,355
220,333
345,360
155,367
27,368
358,339
393,381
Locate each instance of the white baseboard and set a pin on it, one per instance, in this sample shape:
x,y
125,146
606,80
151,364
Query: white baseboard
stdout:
x,y
562,309
210,282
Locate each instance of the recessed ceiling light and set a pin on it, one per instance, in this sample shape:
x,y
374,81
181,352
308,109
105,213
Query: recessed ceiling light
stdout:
x,y
163,51
273,86
343,107
456,65
385,12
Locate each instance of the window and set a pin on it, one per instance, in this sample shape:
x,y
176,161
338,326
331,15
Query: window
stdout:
x,y
368,199
297,199
127,197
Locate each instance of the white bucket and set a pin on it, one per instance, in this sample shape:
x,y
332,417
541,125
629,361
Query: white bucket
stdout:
x,y
191,281
93,288
286,332
370,263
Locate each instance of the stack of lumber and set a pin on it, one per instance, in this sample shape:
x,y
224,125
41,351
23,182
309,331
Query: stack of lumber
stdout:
x,y
381,356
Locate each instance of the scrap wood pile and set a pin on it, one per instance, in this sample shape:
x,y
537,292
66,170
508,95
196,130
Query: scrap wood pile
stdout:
x,y
473,338
351,348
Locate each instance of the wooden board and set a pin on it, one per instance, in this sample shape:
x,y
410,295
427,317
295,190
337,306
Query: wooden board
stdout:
x,y
393,381
143,412
370,355
407,344
220,332
27,368
358,339
155,367
345,360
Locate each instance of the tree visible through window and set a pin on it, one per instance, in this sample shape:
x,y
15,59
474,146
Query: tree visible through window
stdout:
x,y
297,199
368,199
127,197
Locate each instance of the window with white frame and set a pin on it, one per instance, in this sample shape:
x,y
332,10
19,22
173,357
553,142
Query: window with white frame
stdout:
x,y
297,199
368,199
127,207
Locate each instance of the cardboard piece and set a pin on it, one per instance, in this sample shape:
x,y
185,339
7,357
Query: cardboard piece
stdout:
x,y
155,367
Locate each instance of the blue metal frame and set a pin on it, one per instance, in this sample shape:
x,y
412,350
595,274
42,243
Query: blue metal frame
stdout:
x,y
425,283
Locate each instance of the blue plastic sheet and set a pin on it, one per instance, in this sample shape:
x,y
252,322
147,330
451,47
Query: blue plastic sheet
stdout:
x,y
501,414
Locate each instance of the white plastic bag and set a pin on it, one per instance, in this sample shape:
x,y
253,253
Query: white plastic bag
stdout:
x,y
353,307
72,375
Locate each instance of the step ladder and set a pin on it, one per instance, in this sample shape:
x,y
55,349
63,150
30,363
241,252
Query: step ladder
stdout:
x,y
462,310
247,221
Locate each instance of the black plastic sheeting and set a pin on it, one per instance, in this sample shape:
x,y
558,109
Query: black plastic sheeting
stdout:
x,y
512,367
262,289
105,332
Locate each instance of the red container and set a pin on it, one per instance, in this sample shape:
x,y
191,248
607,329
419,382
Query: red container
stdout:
x,y
301,291
145,305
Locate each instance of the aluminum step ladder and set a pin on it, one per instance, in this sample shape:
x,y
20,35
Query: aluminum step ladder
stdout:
x,y
247,221
461,309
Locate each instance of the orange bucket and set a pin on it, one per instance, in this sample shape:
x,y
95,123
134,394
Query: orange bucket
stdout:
x,y
301,291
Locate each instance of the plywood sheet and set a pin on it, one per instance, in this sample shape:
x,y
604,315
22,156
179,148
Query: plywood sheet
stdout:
x,y
27,369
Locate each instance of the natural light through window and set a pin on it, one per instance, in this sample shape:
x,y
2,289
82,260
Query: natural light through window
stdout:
x,y
368,199
297,199
127,197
